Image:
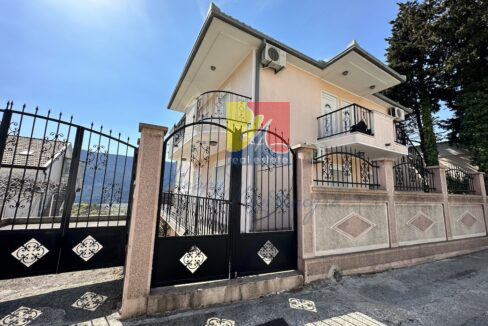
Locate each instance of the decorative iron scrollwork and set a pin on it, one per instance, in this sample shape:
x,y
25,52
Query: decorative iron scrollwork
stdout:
x,y
282,201
18,191
364,171
267,156
327,168
97,157
111,193
347,120
398,176
200,154
13,134
346,165
254,201
327,124
219,106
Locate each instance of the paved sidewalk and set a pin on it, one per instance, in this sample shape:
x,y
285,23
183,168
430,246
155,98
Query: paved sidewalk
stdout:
x,y
448,292
50,299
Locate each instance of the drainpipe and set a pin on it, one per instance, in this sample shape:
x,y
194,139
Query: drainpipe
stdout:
x,y
258,70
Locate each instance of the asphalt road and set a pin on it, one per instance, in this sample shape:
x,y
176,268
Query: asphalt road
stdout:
x,y
448,292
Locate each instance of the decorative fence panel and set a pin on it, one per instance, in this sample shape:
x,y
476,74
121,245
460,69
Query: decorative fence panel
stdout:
x,y
345,167
65,193
459,181
411,175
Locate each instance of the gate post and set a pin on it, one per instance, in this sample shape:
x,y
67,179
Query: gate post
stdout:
x,y
235,197
142,232
305,218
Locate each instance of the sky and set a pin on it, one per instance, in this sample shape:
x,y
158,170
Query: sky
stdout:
x,y
116,62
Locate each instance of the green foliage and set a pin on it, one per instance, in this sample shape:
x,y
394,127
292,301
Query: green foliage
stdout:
x,y
474,125
429,144
410,52
442,48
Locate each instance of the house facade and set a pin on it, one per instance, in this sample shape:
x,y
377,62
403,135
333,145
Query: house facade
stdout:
x,y
349,193
332,104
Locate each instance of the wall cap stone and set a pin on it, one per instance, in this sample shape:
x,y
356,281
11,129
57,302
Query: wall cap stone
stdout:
x,y
351,191
418,193
304,146
143,125
465,196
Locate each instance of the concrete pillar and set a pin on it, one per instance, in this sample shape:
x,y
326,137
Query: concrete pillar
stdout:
x,y
440,184
142,232
479,183
305,223
385,174
386,179
480,189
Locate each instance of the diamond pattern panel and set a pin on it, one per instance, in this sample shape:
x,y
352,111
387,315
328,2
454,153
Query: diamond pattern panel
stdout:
x,y
421,222
353,226
468,220
87,248
20,317
302,304
30,252
89,301
193,259
268,252
214,321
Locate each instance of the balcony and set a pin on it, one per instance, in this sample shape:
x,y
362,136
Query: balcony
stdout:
x,y
352,118
210,106
362,129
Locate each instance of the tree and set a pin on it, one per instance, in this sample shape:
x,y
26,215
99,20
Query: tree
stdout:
x,y
442,48
463,26
474,126
411,52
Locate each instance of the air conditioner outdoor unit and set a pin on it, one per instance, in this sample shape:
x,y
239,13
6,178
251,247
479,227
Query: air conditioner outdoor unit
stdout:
x,y
397,113
273,57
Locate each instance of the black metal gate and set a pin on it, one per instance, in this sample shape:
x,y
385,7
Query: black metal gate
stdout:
x,y
65,195
220,215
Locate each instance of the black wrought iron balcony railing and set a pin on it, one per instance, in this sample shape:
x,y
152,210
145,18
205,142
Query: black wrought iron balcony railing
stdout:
x,y
179,135
213,104
351,118
209,105
400,134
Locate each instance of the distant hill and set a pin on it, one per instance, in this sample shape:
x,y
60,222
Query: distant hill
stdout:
x,y
118,171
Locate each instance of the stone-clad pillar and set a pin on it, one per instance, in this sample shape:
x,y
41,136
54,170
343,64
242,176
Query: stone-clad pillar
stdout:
x,y
480,189
440,184
479,183
305,231
142,232
386,181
